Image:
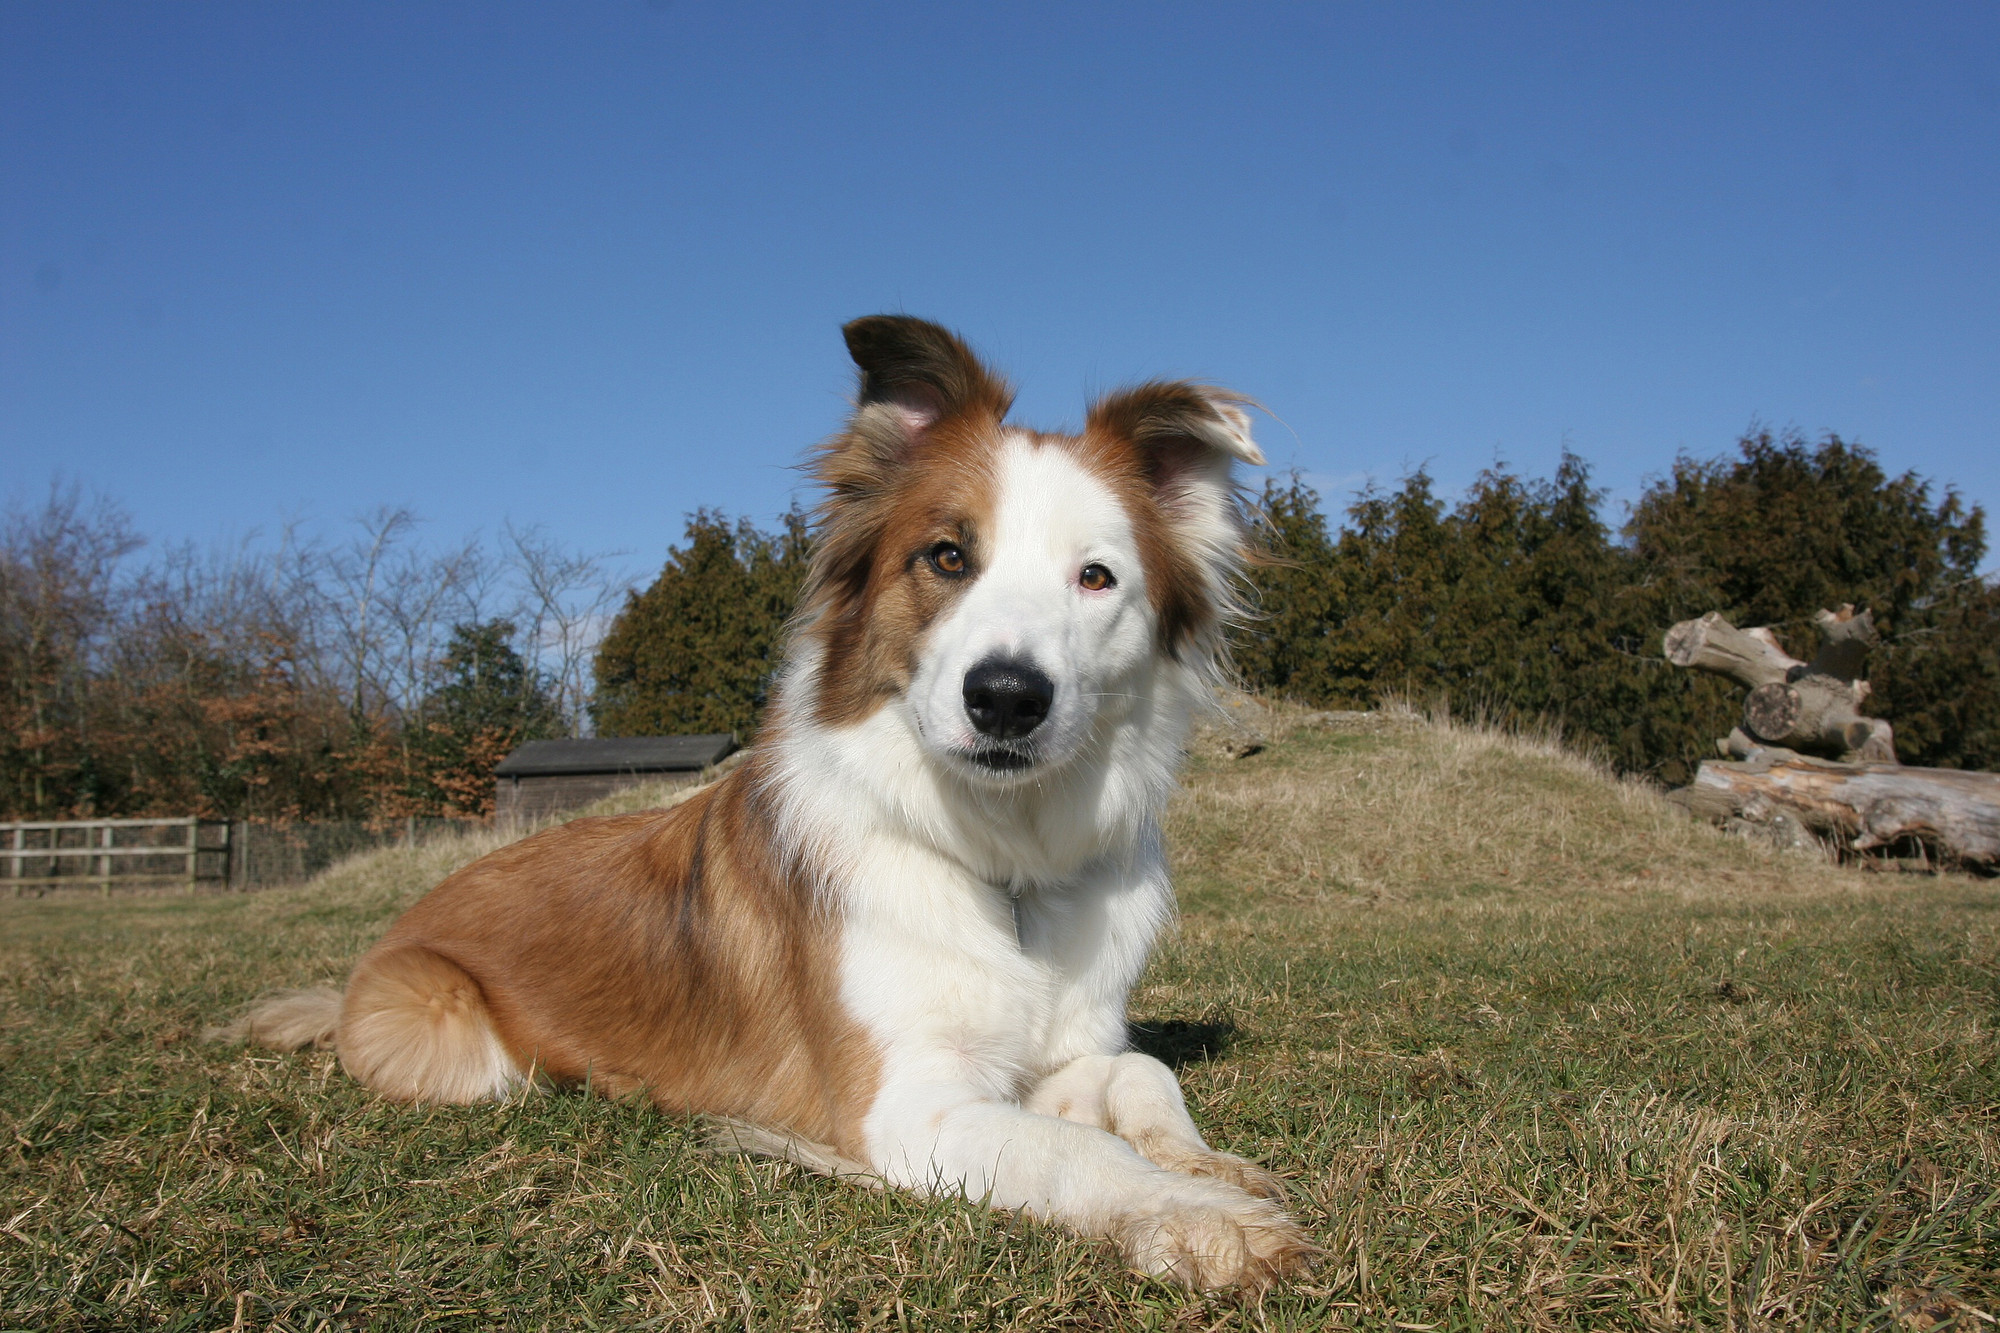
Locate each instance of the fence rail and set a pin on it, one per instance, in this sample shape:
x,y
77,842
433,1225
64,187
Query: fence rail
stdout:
x,y
40,856
100,853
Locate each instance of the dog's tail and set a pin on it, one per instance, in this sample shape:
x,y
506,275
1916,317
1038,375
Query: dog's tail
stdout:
x,y
289,1020
728,1134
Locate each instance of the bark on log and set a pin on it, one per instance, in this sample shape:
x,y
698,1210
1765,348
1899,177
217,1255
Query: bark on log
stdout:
x,y
1860,807
1749,657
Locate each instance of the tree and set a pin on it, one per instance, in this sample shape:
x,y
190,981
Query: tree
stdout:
x,y
695,652
1518,603
564,597
1789,527
207,700
61,591
309,680
1506,604
1281,647
486,702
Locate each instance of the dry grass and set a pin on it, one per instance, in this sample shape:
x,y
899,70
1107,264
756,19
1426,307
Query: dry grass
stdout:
x,y
1534,1050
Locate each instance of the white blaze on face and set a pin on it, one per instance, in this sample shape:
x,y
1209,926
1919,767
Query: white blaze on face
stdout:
x,y
1051,518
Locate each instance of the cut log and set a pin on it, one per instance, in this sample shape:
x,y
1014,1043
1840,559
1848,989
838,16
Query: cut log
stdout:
x,y
1817,714
1749,657
1860,807
1811,707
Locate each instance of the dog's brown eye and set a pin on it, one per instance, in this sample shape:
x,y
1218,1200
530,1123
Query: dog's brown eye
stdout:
x,y
946,558
1095,578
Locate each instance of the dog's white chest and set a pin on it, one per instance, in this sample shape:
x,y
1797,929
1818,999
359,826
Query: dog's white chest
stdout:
x,y
943,984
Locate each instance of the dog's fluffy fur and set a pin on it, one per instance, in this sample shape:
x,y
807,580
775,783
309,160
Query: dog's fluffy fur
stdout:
x,y
898,940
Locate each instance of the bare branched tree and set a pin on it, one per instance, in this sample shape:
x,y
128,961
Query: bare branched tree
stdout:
x,y
567,599
384,605
296,676
421,595
60,589
344,584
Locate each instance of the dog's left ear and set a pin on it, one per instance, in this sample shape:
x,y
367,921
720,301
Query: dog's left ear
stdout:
x,y
915,375
1184,433
1182,440
923,371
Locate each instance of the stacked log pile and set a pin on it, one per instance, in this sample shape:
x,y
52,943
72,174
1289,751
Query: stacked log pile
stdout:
x,y
1808,707
1805,761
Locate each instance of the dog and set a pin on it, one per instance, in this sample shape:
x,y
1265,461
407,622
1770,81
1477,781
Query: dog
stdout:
x,y
897,942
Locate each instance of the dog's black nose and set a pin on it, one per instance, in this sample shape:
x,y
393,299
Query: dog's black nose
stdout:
x,y
1007,699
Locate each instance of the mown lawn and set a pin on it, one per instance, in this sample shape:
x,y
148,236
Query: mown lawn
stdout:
x,y
1532,1050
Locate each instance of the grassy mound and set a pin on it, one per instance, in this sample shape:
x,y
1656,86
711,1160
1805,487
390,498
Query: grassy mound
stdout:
x,y
1532,1049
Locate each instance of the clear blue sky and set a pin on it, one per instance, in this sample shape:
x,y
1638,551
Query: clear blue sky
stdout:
x,y
584,264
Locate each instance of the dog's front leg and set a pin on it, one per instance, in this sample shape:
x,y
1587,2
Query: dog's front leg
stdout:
x,y
1203,1233
1138,1098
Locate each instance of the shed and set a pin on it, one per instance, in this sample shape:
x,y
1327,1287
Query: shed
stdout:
x,y
544,778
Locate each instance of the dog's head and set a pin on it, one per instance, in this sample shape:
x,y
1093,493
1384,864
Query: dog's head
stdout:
x,y
1004,589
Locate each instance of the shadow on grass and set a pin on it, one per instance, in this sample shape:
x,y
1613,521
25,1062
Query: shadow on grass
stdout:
x,y
1180,1042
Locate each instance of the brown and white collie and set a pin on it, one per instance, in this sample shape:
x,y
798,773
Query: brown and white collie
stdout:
x,y
898,940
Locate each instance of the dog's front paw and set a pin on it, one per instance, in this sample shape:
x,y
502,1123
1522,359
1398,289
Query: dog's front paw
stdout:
x,y
1226,1167
1215,1236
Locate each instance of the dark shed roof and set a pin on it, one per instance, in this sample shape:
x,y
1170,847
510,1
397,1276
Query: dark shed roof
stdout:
x,y
621,754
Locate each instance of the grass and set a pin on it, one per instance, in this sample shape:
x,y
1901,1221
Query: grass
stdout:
x,y
1533,1050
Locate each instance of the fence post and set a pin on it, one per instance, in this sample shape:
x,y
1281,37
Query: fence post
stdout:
x,y
104,862
16,861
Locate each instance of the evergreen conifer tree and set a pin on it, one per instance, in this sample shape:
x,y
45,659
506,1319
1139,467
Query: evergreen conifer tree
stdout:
x,y
695,652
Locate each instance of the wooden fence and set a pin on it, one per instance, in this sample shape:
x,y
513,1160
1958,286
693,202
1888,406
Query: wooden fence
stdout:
x,y
44,856
102,853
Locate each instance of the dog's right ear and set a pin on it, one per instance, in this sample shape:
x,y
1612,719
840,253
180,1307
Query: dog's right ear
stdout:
x,y
916,374
917,378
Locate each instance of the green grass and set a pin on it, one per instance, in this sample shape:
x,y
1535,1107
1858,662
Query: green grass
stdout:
x,y
1532,1050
